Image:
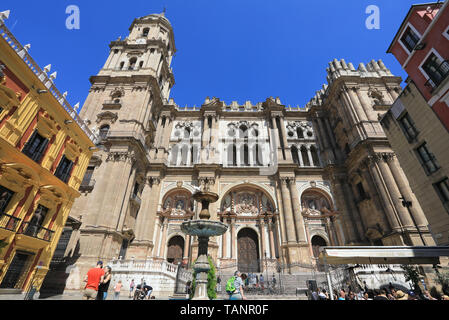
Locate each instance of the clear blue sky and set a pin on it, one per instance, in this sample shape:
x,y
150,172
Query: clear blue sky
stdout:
x,y
235,49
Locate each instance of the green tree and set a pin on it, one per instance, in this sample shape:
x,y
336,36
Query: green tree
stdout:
x,y
211,281
412,274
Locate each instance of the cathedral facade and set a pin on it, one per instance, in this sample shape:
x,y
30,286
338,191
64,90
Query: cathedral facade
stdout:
x,y
289,180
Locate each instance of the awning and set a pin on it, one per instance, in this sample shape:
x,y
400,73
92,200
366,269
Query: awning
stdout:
x,y
382,255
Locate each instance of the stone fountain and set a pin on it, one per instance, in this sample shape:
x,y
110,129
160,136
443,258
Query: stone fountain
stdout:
x,y
203,229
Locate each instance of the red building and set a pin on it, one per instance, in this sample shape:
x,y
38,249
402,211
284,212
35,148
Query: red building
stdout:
x,y
421,46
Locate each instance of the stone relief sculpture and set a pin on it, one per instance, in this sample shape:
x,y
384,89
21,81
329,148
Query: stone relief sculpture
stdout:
x,y
315,204
247,203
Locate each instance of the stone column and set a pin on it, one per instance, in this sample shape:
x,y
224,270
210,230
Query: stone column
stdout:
x,y
288,154
224,241
355,211
299,220
233,240
272,249
383,192
167,133
356,104
276,138
372,190
159,131
186,248
281,216
346,210
144,211
157,237
372,116
393,189
301,161
407,192
287,212
309,154
262,236
322,142
164,238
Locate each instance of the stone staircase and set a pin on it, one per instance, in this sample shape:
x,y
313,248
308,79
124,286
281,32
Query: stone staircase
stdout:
x,y
288,286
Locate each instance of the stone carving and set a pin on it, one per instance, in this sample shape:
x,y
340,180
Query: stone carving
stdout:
x,y
315,204
247,203
377,96
178,204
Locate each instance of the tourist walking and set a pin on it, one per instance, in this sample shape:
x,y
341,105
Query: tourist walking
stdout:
x,y
93,278
117,289
131,288
262,280
234,287
104,284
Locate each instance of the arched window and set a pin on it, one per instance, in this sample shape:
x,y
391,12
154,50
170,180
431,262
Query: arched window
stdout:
x,y
140,64
145,32
132,63
300,133
295,156
316,159
104,130
305,156
244,155
122,64
257,156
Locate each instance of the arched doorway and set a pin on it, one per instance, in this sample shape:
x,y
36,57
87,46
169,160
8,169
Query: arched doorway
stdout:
x,y
248,251
175,250
317,243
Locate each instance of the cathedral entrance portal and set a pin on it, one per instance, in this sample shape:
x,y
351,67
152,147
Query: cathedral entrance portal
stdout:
x,y
175,250
248,251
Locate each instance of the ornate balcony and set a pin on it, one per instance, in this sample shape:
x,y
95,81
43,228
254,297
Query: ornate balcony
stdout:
x,y
8,222
36,231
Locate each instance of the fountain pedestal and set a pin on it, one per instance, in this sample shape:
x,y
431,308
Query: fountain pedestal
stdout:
x,y
203,229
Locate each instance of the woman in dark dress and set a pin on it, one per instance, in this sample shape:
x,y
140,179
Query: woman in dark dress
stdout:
x,y
104,286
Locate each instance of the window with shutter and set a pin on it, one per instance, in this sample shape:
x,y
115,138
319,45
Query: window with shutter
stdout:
x,y
64,169
36,147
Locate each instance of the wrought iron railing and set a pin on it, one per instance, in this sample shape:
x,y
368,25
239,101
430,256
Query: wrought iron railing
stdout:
x,y
36,231
44,79
8,222
438,76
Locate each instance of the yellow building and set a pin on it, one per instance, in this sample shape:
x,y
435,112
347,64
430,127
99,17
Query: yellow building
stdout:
x,y
45,149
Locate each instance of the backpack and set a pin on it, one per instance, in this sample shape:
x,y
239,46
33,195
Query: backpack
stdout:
x,y
230,287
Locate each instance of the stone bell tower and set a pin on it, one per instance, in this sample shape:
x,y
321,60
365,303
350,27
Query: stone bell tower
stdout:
x,y
123,107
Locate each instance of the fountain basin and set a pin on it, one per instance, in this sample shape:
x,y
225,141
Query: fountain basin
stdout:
x,y
204,228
